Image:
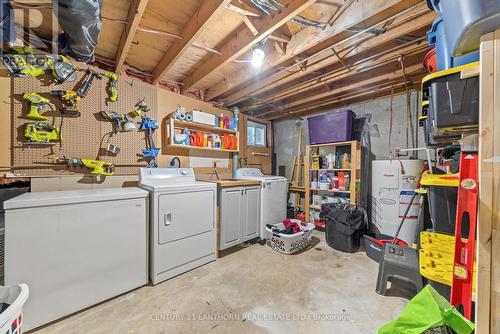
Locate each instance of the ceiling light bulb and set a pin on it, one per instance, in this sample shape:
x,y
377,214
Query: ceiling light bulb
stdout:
x,y
258,56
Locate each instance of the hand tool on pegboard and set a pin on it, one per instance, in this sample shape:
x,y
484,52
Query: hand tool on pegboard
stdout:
x,y
96,167
87,82
36,103
41,133
140,108
112,85
151,152
70,100
123,122
467,204
22,62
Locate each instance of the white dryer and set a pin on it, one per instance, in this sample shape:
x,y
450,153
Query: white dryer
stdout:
x,y
182,218
273,198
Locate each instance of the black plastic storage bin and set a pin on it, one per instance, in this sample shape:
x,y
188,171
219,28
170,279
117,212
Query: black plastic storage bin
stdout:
x,y
345,226
442,191
454,104
433,140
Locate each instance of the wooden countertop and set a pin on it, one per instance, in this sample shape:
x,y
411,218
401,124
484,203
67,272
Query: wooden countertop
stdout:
x,y
235,183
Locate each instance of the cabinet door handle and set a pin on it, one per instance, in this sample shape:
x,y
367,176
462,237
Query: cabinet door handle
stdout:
x,y
245,191
168,218
242,192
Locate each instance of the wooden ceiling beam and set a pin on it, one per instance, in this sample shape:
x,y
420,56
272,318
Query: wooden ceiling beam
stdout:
x,y
135,12
360,63
411,79
354,84
341,87
383,65
312,40
275,81
353,98
243,41
250,25
243,10
190,33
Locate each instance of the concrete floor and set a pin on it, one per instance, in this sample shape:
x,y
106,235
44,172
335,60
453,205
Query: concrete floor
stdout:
x,y
247,291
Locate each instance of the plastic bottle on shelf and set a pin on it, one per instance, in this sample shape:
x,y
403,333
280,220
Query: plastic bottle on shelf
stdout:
x,y
217,142
335,182
346,164
337,160
221,121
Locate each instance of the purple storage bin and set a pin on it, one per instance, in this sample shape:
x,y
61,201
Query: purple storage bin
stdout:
x,y
331,128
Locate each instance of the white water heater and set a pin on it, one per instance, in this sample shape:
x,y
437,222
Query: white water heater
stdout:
x,y
393,185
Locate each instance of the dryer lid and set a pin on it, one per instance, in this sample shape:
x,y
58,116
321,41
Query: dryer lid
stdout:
x,y
167,176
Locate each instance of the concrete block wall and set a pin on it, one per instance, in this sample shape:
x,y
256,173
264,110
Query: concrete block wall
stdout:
x,y
286,132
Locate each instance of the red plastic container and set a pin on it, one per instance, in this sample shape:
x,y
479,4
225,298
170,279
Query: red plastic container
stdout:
x,y
430,61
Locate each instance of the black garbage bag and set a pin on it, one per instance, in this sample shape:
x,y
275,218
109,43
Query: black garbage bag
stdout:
x,y
345,225
81,23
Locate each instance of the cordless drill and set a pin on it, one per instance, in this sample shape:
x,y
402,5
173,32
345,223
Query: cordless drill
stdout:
x,y
70,100
112,85
36,103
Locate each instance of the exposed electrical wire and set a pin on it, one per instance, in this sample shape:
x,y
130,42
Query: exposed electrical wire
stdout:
x,y
268,7
347,66
165,33
259,4
304,21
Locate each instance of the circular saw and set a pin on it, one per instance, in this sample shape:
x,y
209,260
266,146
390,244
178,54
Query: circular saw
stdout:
x,y
63,70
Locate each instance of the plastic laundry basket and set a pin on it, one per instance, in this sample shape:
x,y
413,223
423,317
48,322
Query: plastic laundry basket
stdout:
x,y
290,243
11,318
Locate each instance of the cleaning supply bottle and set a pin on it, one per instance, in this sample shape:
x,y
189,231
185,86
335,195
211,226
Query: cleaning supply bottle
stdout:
x,y
346,164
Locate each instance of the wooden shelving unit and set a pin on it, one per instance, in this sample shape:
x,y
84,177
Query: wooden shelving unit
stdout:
x,y
173,126
350,147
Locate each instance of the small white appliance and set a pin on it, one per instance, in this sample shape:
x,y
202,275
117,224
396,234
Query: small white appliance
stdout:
x,y
75,248
273,198
182,221
393,184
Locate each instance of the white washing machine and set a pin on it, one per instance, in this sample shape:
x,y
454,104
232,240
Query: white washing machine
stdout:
x,y
273,197
182,221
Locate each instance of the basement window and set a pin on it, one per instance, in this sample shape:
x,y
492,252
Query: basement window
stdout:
x,y
256,134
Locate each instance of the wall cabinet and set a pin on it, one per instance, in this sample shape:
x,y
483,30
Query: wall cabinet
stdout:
x,y
239,215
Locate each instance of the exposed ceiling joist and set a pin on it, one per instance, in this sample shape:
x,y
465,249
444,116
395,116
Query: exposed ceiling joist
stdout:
x,y
386,71
250,25
352,84
243,10
276,85
244,40
135,13
364,12
195,26
360,63
358,96
279,39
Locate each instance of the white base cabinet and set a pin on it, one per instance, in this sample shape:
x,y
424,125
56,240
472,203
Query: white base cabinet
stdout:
x,y
239,215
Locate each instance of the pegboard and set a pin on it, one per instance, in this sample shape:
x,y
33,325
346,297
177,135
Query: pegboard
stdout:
x,y
81,135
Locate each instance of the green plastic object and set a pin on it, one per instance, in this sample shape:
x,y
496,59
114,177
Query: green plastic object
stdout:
x,y
428,309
